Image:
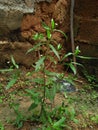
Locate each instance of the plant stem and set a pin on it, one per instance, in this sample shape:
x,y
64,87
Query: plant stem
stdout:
x,y
44,75
44,91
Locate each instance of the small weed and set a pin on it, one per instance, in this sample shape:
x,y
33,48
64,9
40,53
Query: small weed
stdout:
x,y
50,117
1,126
19,116
94,119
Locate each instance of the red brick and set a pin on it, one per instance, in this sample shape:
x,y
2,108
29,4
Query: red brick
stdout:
x,y
88,32
86,8
87,49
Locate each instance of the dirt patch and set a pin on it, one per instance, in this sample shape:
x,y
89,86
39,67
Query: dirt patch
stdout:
x,y
82,101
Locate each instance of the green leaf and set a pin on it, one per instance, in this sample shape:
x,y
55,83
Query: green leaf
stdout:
x,y
38,80
73,68
49,73
5,70
19,124
38,36
15,106
77,51
48,34
50,93
59,123
67,55
48,128
76,121
14,63
85,57
59,46
41,36
33,106
72,114
12,81
35,47
52,23
77,64
94,118
32,93
54,50
52,59
45,26
39,63
56,30
1,126
1,101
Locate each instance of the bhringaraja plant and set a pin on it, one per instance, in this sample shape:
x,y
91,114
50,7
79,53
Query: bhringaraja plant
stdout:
x,y
46,87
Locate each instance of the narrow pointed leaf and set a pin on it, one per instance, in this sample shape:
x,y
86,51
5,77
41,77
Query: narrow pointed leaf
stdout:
x,y
61,33
50,93
78,64
55,51
49,73
35,47
38,80
52,23
14,63
33,105
86,57
59,123
59,46
48,34
39,63
12,81
35,37
38,36
5,70
45,26
67,55
73,68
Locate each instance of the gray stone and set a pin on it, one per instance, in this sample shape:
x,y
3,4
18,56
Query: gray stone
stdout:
x,y
65,86
12,11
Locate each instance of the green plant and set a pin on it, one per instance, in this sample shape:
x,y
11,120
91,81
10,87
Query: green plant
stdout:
x,y
94,119
12,66
92,80
1,126
14,76
73,65
48,46
45,84
19,116
1,93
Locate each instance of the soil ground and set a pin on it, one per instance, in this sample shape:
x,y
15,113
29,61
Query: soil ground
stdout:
x,y
84,101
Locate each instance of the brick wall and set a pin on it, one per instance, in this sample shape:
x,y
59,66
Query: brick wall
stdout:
x,y
86,32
